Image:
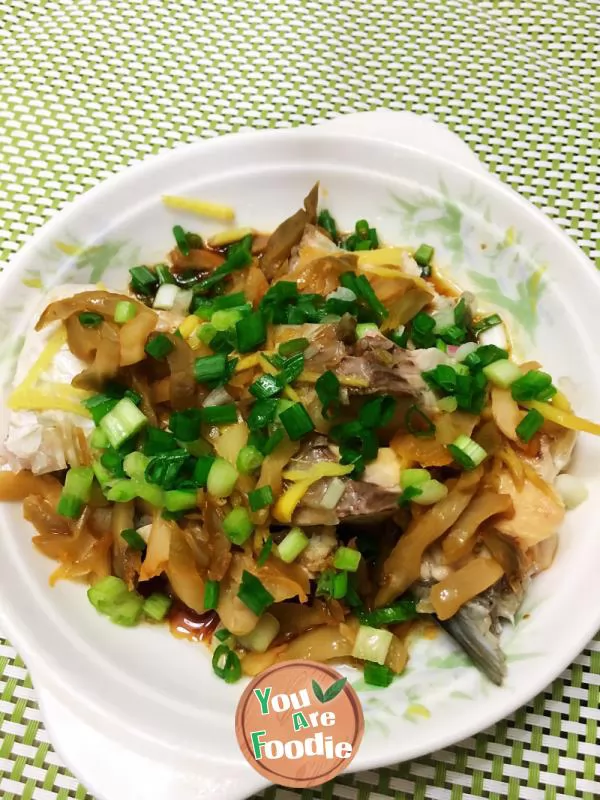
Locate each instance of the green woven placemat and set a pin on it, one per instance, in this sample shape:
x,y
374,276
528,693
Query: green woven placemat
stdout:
x,y
89,86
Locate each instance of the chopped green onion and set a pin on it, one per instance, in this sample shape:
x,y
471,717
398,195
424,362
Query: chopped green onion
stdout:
x,y
367,293
158,441
106,593
332,584
466,452
327,222
210,368
159,346
206,333
181,240
122,491
225,319
327,388
377,674
157,606
364,327
296,421
265,551
401,611
99,439
143,280
447,404
165,297
233,300
423,330
408,495
133,539
423,255
185,425
76,491
430,492
486,323
103,475
202,469
253,594
135,464
372,644
267,386
502,373
251,332
292,368
222,478
293,346
273,441
226,664
260,498
90,320
163,273
418,423
69,506
484,355
529,425
220,415
164,468
362,229
347,559
180,500
378,412
249,459
413,477
260,639
222,634
532,386
129,612
262,414
238,526
211,595
124,312
292,545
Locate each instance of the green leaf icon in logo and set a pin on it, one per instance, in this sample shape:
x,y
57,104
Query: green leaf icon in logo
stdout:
x,y
331,693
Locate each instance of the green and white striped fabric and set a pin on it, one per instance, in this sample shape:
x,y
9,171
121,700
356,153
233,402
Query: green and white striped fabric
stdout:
x,y
90,86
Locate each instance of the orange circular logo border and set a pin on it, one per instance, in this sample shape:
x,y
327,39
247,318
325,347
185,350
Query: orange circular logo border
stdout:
x,y
299,775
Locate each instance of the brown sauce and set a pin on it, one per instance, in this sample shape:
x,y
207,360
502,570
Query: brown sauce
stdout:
x,y
187,624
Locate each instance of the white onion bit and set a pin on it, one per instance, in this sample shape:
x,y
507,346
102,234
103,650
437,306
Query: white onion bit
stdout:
x,y
572,490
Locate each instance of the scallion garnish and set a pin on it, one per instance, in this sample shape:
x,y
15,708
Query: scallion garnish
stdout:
x,y
220,415
124,311
273,441
251,332
122,422
401,611
260,498
332,584
347,559
378,412
327,222
76,491
265,551
267,386
409,494
292,368
253,594
185,425
90,320
181,240
202,468
222,478
237,525
176,500
164,469
143,281
293,346
466,452
296,421
423,255
210,368
249,459
292,545
534,385
529,425
377,674
327,387
133,539
422,330
157,606
159,346
157,441
226,664
211,595
262,414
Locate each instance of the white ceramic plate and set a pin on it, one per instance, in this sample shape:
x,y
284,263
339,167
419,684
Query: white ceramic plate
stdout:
x,y
155,697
